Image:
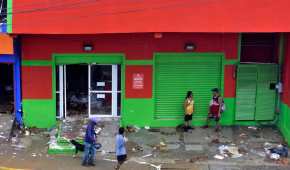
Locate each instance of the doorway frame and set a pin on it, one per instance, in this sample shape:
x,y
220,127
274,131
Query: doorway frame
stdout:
x,y
94,58
14,59
114,91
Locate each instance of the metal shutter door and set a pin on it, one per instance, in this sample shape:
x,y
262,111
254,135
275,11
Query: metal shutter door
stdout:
x,y
265,102
175,76
246,92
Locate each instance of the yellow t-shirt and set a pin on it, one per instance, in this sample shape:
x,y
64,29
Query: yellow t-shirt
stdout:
x,y
188,106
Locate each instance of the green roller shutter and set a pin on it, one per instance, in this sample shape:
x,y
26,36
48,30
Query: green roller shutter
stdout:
x,y
175,75
265,102
246,92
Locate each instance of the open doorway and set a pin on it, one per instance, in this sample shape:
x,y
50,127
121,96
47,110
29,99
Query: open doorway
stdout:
x,y
77,89
89,90
6,89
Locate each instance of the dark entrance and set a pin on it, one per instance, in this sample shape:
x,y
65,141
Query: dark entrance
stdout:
x,y
6,89
77,89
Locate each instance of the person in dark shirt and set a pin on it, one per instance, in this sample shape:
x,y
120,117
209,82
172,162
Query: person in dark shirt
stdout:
x,y
90,142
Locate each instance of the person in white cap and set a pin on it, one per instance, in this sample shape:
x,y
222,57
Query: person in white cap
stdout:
x,y
90,142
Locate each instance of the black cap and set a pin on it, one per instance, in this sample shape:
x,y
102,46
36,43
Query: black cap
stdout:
x,y
215,90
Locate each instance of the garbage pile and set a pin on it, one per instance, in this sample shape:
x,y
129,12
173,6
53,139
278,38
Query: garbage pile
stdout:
x,y
276,152
226,151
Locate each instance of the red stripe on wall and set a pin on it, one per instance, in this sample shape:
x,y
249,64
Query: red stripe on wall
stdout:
x,y
134,46
37,82
286,72
230,81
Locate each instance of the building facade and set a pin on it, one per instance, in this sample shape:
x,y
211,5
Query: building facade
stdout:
x,y
136,61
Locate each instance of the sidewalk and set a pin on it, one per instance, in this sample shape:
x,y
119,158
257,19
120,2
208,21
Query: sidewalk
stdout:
x,y
148,148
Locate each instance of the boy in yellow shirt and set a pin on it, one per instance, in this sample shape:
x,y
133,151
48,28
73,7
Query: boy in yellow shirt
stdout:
x,y
188,110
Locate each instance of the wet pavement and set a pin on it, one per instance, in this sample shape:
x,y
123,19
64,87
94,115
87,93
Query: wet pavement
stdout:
x,y
148,148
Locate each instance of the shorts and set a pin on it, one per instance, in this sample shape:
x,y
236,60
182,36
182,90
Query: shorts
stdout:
x,y
121,158
214,116
187,117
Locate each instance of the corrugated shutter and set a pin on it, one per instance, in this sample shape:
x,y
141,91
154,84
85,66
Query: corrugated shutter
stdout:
x,y
265,102
176,75
246,92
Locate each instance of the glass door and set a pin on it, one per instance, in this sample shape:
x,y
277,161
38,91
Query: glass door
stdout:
x,y
104,90
60,91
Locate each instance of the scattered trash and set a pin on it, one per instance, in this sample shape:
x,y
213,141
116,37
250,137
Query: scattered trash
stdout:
x,y
216,141
33,154
252,127
280,150
242,135
110,160
27,133
276,152
157,167
229,151
98,130
162,144
198,158
132,129
137,148
147,127
275,156
220,157
148,155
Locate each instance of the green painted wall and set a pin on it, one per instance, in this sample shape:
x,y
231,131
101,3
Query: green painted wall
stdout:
x,y
284,122
39,113
138,112
9,16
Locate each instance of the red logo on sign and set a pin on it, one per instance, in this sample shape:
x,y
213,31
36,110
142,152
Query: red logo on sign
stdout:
x,y
138,81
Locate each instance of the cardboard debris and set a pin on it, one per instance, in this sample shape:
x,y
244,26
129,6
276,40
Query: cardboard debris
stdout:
x,y
148,155
229,151
275,156
253,127
220,157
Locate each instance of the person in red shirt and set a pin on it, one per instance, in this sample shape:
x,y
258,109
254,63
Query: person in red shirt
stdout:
x,y
216,107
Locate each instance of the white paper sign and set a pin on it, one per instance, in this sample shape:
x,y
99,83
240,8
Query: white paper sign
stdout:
x,y
138,81
102,84
101,96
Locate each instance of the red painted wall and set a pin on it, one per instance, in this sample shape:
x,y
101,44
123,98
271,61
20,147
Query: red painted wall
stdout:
x,y
286,72
36,82
124,16
138,92
230,81
135,46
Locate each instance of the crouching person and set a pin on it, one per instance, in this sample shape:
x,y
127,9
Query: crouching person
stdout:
x,y
90,144
121,152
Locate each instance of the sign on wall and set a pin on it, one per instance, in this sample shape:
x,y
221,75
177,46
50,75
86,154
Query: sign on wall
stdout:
x,y
139,81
